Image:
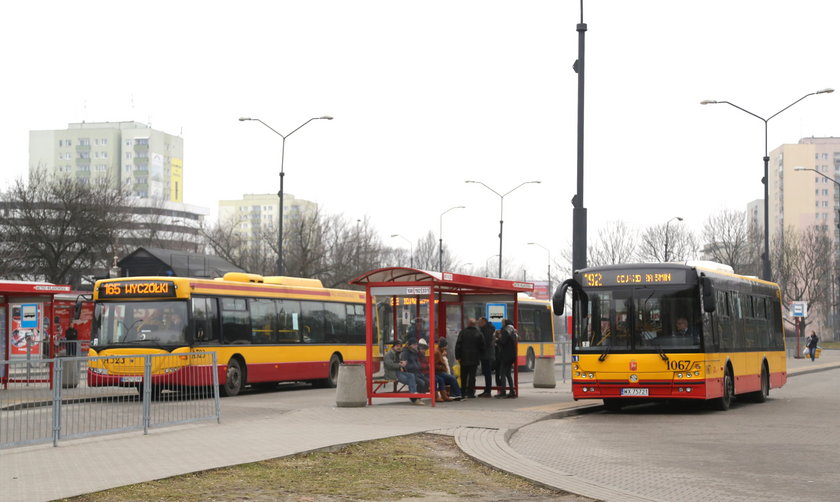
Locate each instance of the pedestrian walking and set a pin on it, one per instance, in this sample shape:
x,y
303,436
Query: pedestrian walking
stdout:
x,y
468,351
488,355
813,341
507,340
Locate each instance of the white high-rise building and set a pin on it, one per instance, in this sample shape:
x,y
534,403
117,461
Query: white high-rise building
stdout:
x,y
145,162
256,213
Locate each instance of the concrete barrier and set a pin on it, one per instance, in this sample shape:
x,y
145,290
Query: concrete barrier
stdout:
x,y
544,373
350,390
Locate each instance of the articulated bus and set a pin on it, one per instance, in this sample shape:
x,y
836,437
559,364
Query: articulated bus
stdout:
x,y
649,332
263,330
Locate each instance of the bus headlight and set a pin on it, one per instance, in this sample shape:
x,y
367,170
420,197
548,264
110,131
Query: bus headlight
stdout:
x,y
591,375
577,373
697,366
679,375
696,373
99,371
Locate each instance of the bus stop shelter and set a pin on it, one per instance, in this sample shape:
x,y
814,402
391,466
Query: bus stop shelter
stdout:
x,y
398,293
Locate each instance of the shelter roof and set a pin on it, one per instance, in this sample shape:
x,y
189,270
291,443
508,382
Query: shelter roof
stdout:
x,y
445,282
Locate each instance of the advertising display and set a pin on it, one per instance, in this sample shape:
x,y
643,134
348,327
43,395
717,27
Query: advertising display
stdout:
x,y
25,329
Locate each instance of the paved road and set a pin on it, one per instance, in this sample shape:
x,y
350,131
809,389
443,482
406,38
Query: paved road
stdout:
x,y
785,449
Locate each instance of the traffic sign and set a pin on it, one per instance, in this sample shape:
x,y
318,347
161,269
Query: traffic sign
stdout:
x,y
799,309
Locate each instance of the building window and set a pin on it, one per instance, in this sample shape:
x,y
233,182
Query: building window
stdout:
x,y
127,155
84,141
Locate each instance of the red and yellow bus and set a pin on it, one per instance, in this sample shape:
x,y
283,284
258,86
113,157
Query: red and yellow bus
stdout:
x,y
263,330
665,331
535,328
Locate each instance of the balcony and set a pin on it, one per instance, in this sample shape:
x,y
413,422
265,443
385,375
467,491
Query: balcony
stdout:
x,y
82,148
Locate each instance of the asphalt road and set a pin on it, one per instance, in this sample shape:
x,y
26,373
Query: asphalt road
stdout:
x,y
785,449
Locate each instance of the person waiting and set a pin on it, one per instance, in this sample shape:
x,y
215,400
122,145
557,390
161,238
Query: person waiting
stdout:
x,y
394,369
443,376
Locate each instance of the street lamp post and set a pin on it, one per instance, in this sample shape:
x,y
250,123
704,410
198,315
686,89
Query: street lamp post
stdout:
x,y
440,235
678,218
280,264
501,212
411,247
549,264
765,259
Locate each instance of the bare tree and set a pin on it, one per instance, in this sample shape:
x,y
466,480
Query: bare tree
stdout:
x,y
802,268
679,241
62,229
616,243
727,239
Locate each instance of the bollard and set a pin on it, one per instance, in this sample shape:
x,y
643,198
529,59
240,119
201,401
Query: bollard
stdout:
x,y
350,391
544,373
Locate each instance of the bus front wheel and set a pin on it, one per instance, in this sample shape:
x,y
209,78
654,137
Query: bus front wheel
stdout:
x,y
235,378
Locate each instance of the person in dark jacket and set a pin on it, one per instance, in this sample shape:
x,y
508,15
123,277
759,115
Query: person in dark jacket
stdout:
x,y
813,341
468,351
507,340
488,355
411,357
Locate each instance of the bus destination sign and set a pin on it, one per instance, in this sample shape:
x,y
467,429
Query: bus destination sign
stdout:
x,y
137,289
632,277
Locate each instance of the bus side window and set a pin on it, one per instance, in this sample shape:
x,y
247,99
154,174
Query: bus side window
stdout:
x,y
236,321
288,320
205,316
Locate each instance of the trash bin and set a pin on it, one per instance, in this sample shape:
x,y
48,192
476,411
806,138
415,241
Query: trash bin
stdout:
x,y
350,390
544,373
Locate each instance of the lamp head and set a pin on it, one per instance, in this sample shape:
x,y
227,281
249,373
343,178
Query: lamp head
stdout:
x,y
679,218
708,102
828,90
799,168
325,117
243,119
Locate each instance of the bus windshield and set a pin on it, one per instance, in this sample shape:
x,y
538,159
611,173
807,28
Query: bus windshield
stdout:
x,y
140,324
640,319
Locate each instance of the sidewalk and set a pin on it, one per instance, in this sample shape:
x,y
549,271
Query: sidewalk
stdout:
x,y
270,425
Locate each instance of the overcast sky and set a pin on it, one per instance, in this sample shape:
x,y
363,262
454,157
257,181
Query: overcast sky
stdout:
x,y
429,94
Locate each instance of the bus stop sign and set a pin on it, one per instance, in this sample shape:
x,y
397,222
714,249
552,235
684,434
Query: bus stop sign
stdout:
x,y
799,309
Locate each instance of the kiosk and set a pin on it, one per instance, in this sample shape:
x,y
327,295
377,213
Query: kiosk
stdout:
x,y
407,301
27,326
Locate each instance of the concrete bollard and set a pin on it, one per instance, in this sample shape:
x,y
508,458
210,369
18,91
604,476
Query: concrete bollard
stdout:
x,y
350,390
544,373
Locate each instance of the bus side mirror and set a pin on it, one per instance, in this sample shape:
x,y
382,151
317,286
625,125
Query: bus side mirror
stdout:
x,y
708,295
77,312
558,301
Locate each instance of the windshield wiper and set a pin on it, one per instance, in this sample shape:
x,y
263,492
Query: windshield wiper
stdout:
x,y
661,351
606,351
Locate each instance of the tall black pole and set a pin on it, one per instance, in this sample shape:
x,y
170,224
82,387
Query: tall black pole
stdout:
x,y
280,264
501,226
579,211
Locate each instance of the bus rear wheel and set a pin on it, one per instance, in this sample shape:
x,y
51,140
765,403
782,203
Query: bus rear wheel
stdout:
x,y
235,379
332,379
723,402
760,396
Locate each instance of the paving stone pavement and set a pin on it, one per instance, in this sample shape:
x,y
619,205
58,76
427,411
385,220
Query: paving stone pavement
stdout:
x,y
491,431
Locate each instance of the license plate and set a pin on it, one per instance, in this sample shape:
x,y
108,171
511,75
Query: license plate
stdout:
x,y
634,391
131,379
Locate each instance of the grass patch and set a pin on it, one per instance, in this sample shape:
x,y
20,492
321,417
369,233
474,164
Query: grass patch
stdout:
x,y
423,466
830,345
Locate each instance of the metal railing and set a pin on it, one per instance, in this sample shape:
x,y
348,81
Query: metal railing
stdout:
x,y
47,400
